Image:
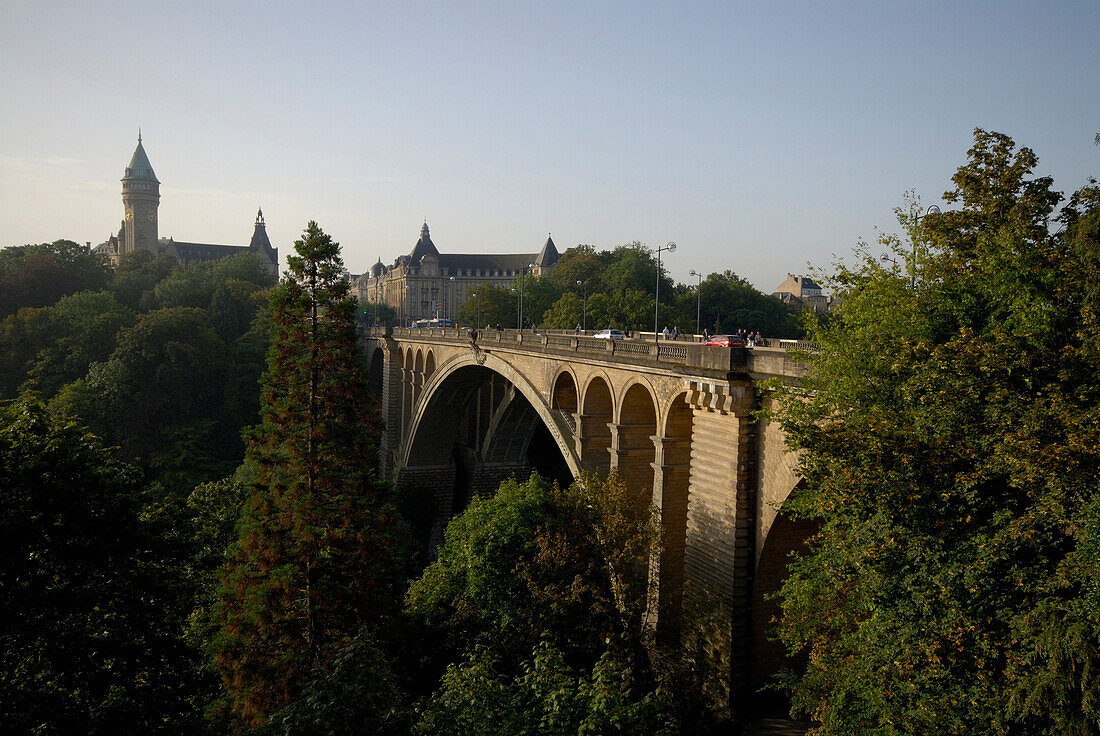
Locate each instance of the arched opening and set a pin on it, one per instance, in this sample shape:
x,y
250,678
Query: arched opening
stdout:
x,y
376,375
632,448
418,376
671,481
593,433
564,398
474,431
429,365
406,389
785,536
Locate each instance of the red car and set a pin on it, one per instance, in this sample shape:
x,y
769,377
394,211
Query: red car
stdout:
x,y
726,341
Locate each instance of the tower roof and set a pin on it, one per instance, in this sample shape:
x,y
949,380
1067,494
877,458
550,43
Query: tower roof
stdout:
x,y
549,255
260,241
423,246
139,167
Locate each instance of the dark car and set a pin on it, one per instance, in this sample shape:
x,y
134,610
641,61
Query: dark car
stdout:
x,y
726,341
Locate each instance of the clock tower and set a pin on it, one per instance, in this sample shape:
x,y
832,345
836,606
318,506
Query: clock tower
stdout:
x,y
140,200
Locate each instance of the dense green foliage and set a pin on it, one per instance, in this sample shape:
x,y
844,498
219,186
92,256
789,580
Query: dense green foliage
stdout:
x,y
547,698
39,275
315,560
537,606
162,361
951,443
534,561
89,641
615,288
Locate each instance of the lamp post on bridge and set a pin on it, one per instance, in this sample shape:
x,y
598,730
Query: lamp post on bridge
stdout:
x,y
698,298
584,307
452,296
671,248
522,278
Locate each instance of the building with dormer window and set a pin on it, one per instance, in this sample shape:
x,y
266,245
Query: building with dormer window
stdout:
x,y
426,284
802,292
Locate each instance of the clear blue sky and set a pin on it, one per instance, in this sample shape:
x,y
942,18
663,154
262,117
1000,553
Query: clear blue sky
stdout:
x,y
758,136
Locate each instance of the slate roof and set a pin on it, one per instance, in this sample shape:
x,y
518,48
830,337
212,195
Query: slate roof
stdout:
x,y
549,255
139,167
485,262
423,246
190,252
260,242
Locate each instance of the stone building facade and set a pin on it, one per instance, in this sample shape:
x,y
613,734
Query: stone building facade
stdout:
x,y
426,284
802,292
139,229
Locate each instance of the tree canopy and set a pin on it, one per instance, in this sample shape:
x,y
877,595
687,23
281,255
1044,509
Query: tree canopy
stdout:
x,y
949,433
39,275
88,642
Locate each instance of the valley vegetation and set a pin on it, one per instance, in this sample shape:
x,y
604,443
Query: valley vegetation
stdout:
x,y
194,539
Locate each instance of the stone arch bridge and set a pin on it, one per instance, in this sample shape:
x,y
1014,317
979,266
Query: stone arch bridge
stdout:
x,y
465,411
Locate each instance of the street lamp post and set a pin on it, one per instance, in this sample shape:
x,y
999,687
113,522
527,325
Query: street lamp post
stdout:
x,y
671,248
453,295
477,295
522,278
584,306
519,304
698,298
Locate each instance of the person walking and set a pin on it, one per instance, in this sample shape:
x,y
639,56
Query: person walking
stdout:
x,y
665,332
675,332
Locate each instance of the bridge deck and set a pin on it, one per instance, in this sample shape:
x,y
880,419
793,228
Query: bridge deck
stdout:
x,y
679,356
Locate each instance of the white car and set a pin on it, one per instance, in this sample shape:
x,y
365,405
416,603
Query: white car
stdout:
x,y
609,335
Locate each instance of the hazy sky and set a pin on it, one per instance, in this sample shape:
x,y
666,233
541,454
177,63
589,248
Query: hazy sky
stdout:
x,y
758,136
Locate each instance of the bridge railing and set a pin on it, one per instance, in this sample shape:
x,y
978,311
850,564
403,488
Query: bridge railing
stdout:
x,y
675,354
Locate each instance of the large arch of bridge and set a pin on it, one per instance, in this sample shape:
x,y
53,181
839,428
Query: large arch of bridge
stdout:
x,y
435,386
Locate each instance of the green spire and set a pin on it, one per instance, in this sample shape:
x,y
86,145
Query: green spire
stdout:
x,y
139,167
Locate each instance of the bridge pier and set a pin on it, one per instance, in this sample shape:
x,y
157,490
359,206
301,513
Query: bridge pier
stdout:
x,y
632,454
433,486
592,442
718,551
392,390
671,475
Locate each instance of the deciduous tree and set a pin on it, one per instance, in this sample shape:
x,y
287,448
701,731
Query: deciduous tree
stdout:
x,y
950,438
89,615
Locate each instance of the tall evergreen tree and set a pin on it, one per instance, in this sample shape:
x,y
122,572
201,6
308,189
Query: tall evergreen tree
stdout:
x,y
315,560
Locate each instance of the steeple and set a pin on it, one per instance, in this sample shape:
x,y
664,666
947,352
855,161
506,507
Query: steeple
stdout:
x,y
548,256
139,167
262,245
423,247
